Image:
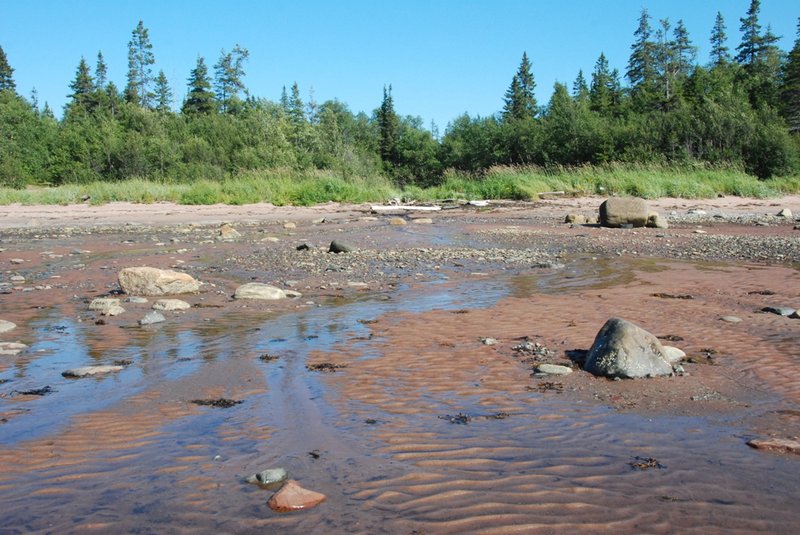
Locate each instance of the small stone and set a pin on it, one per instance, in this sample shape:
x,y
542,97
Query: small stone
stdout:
x,y
673,354
17,261
289,225
171,304
731,319
136,300
227,232
152,317
268,478
575,219
775,444
113,310
293,294
489,341
785,213
700,231
102,303
257,290
11,348
293,497
87,371
340,247
17,278
780,311
553,369
423,221
6,326
397,222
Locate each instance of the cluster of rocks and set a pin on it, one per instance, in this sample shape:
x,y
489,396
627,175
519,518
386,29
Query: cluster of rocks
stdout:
x,y
290,496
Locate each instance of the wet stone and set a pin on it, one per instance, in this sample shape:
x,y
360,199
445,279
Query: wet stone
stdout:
x,y
268,478
220,403
171,304
776,444
6,326
293,497
553,369
11,348
780,311
87,371
257,290
152,317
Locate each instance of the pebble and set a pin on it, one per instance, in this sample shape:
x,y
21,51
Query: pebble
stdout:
x,y
136,300
423,221
553,369
17,261
268,477
17,278
289,225
731,319
489,341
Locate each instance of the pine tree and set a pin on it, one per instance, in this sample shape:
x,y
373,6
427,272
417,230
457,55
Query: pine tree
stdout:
x,y
580,89
388,126
719,50
200,99
82,89
100,72
790,92
750,46
140,71
642,64
229,71
685,52
6,74
520,102
163,94
600,92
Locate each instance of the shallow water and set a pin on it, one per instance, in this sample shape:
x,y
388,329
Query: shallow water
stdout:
x,y
129,452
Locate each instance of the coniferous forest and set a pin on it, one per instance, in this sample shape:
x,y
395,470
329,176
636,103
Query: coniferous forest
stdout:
x,y
737,109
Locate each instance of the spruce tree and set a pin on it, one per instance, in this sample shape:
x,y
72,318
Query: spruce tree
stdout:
x,y
719,50
685,52
580,89
6,74
641,71
82,87
140,71
520,102
297,114
229,71
284,100
790,92
163,93
200,99
100,72
600,92
750,46
389,127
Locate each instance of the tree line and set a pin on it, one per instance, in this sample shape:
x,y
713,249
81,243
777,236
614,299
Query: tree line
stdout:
x,y
741,108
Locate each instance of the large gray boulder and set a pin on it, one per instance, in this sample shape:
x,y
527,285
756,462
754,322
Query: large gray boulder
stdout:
x,y
618,211
622,349
154,281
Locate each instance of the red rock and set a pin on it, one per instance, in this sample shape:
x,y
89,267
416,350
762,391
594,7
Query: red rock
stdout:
x,y
293,497
776,444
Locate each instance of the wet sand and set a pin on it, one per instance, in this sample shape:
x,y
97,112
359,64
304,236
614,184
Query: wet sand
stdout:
x,y
424,428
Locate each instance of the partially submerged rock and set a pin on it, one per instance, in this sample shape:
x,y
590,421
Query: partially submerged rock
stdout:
x,y
107,306
623,349
152,317
618,211
87,371
780,311
171,304
6,326
153,281
257,290
776,444
293,497
268,478
11,348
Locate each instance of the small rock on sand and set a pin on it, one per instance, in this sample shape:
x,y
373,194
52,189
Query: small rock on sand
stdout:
x,y
780,311
623,349
6,326
340,247
553,369
87,371
257,290
293,497
673,354
171,304
785,213
731,319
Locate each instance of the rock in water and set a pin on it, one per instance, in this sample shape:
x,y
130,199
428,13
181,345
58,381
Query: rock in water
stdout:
x,y
152,317
86,371
618,211
154,281
340,247
776,444
268,478
622,349
11,348
6,326
256,290
171,304
293,497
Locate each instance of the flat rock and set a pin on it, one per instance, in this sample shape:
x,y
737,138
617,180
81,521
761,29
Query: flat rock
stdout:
x,y
423,221
731,319
11,348
776,444
293,497
673,354
397,221
87,371
553,369
6,326
340,247
136,300
102,303
151,281
171,304
780,311
623,349
152,317
257,290
618,211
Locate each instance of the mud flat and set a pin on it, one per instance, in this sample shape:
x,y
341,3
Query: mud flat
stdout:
x,y
401,383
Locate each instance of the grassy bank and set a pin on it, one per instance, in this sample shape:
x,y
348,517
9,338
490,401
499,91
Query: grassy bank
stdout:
x,y
282,187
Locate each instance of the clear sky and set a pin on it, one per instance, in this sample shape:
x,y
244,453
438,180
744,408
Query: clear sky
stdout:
x,y
443,58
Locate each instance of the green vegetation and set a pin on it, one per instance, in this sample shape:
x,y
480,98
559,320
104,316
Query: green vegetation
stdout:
x,y
678,128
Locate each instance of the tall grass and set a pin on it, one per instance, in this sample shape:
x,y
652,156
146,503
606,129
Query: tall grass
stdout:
x,y
288,187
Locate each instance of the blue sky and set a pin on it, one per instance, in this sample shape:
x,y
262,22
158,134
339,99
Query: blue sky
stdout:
x,y
443,58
